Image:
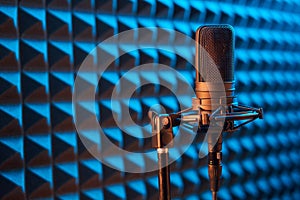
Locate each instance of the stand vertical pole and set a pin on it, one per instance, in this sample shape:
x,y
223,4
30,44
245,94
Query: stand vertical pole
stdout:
x,y
163,174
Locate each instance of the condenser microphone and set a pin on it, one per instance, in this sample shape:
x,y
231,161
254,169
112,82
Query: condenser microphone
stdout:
x,y
214,109
214,57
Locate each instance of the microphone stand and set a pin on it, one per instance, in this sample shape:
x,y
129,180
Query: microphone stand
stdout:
x,y
162,140
163,174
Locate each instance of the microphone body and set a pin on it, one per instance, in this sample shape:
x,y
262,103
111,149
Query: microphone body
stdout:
x,y
214,55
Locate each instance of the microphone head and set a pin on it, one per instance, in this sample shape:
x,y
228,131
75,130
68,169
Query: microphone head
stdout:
x,y
218,42
214,67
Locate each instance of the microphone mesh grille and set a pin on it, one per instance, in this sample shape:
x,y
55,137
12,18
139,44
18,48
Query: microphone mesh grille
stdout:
x,y
218,42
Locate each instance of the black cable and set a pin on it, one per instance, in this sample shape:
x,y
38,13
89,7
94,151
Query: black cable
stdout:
x,y
214,195
214,164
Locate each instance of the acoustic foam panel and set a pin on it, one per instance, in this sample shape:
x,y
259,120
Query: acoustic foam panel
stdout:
x,y
42,45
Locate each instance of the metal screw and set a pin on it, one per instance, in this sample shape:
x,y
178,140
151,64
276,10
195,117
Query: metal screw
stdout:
x,y
165,121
